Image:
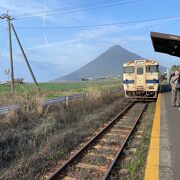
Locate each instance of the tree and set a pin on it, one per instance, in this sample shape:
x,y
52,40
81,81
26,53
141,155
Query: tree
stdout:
x,y
175,68
19,81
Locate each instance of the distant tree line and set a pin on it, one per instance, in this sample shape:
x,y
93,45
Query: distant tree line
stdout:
x,y
16,81
175,68
19,81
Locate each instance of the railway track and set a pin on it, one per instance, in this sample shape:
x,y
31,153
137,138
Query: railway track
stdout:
x,y
97,158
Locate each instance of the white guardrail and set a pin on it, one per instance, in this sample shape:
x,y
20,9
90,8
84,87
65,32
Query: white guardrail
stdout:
x,y
7,109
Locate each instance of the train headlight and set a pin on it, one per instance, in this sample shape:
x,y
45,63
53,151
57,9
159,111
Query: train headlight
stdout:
x,y
151,87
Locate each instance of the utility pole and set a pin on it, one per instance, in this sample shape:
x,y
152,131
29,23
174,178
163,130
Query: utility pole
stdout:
x,y
25,57
10,25
9,18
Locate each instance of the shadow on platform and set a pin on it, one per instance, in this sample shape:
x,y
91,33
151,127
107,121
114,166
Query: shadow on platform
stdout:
x,y
165,88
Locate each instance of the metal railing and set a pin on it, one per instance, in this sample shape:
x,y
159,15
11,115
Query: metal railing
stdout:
x,y
9,108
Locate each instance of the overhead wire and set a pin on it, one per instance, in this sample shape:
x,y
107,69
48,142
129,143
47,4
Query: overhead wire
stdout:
x,y
79,5
101,25
77,10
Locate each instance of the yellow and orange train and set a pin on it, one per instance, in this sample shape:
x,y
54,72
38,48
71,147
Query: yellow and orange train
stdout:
x,y
141,79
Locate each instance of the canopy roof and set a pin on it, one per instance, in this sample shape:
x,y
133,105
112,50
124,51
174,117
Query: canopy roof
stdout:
x,y
166,43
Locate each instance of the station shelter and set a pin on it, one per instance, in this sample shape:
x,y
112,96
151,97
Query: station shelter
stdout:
x,y
163,161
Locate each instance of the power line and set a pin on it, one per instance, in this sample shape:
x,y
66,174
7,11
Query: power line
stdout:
x,y
79,10
79,5
102,25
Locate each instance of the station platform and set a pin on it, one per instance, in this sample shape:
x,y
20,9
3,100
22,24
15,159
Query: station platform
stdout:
x,y
163,162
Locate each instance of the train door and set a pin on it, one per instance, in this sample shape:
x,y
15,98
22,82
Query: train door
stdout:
x,y
140,78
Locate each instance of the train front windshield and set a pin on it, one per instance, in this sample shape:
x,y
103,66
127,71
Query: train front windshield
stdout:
x,y
128,69
140,71
152,68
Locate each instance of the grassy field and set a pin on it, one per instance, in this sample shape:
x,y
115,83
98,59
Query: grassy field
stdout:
x,y
34,139
50,90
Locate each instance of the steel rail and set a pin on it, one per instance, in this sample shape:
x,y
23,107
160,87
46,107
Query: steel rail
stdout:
x,y
59,171
108,172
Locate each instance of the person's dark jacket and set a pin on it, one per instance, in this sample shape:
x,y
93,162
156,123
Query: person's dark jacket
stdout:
x,y
179,79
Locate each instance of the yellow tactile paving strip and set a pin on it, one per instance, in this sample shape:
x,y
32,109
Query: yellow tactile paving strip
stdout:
x,y
152,166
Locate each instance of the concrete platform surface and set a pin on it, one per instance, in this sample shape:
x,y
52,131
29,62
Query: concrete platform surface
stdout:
x,y
170,139
163,160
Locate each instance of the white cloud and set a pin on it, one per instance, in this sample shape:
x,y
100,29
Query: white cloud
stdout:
x,y
79,46
51,45
21,7
39,10
125,39
98,32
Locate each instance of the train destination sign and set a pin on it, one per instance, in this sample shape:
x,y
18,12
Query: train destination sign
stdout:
x,y
166,43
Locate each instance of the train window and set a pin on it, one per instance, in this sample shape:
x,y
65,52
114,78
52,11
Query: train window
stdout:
x,y
152,68
140,71
128,69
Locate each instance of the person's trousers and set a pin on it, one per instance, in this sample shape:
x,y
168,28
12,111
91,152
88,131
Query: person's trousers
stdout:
x,y
175,97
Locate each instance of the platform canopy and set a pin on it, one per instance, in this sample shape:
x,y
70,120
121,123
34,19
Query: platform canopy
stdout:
x,y
166,43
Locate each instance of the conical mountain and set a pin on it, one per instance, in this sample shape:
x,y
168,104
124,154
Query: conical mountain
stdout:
x,y
108,63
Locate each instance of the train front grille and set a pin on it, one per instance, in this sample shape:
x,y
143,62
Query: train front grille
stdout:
x,y
140,88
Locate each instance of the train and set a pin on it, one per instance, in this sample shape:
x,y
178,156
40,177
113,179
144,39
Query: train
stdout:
x,y
141,79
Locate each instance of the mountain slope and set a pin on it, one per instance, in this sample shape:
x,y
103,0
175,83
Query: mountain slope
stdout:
x,y
108,63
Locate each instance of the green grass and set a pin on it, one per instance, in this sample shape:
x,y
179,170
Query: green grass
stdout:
x,y
137,167
51,90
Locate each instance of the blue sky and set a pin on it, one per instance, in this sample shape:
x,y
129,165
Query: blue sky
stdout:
x,y
57,52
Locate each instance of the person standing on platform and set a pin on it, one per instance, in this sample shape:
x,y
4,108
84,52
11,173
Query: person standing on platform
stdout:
x,y
171,77
175,93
